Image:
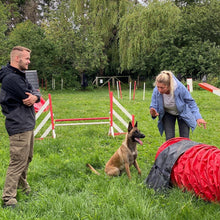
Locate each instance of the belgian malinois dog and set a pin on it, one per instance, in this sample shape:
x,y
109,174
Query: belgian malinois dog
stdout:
x,y
126,154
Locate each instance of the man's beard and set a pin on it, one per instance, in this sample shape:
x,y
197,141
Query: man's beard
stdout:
x,y
22,66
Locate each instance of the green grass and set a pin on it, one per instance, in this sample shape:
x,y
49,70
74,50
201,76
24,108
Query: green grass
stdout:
x,y
64,188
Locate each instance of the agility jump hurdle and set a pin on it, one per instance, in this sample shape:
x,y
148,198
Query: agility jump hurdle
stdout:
x,y
59,122
210,88
46,118
114,113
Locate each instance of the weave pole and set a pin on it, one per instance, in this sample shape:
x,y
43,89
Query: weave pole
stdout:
x,y
189,84
117,89
120,89
109,87
134,90
130,91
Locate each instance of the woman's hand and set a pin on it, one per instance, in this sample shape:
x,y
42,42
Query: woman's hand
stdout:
x,y
201,122
153,112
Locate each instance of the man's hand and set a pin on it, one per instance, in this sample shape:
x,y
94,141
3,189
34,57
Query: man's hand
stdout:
x,y
30,100
201,121
153,112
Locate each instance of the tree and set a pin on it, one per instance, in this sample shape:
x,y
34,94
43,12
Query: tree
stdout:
x,y
4,14
161,36
203,21
103,37
85,33
78,49
184,3
32,36
16,12
103,17
142,31
198,40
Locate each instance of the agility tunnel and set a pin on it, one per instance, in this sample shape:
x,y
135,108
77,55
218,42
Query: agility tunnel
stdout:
x,y
189,165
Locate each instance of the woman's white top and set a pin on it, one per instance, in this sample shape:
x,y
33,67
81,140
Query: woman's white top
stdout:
x,y
169,101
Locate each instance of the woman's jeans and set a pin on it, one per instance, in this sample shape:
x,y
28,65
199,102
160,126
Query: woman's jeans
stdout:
x,y
169,122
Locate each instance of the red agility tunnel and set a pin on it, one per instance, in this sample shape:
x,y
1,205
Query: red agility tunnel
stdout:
x,y
191,166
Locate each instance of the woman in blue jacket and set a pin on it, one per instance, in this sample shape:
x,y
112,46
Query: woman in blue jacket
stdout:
x,y
171,101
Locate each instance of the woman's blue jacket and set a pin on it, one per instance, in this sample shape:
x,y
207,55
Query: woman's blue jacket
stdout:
x,y
186,106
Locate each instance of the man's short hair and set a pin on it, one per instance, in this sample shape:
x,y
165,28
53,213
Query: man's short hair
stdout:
x,y
16,50
20,48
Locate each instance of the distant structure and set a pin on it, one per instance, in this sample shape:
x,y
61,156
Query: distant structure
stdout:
x,y
32,77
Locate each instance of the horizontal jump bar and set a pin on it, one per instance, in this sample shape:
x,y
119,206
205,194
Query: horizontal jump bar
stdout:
x,y
119,133
91,123
82,119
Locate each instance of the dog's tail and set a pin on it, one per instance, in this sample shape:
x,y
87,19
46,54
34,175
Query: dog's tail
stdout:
x,y
92,169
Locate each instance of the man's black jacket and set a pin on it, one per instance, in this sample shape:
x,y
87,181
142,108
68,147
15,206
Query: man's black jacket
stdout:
x,y
19,117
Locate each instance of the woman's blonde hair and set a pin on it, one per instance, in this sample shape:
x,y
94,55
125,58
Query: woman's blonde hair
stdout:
x,y
166,77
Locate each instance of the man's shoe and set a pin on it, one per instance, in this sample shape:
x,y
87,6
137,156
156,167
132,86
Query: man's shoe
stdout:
x,y
24,186
11,203
27,190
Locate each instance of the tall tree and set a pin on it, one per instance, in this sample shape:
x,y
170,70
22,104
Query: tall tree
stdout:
x,y
32,36
33,10
16,11
141,32
103,17
77,48
184,3
198,40
4,14
203,21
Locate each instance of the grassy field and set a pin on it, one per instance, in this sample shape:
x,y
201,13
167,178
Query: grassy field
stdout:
x,y
64,188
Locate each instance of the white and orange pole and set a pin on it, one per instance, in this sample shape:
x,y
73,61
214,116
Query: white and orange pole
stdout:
x,y
51,117
134,90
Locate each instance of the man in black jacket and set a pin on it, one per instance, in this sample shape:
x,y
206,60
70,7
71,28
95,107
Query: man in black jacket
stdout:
x,y
17,98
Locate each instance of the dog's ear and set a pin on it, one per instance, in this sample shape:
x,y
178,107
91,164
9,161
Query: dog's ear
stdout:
x,y
130,126
136,124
